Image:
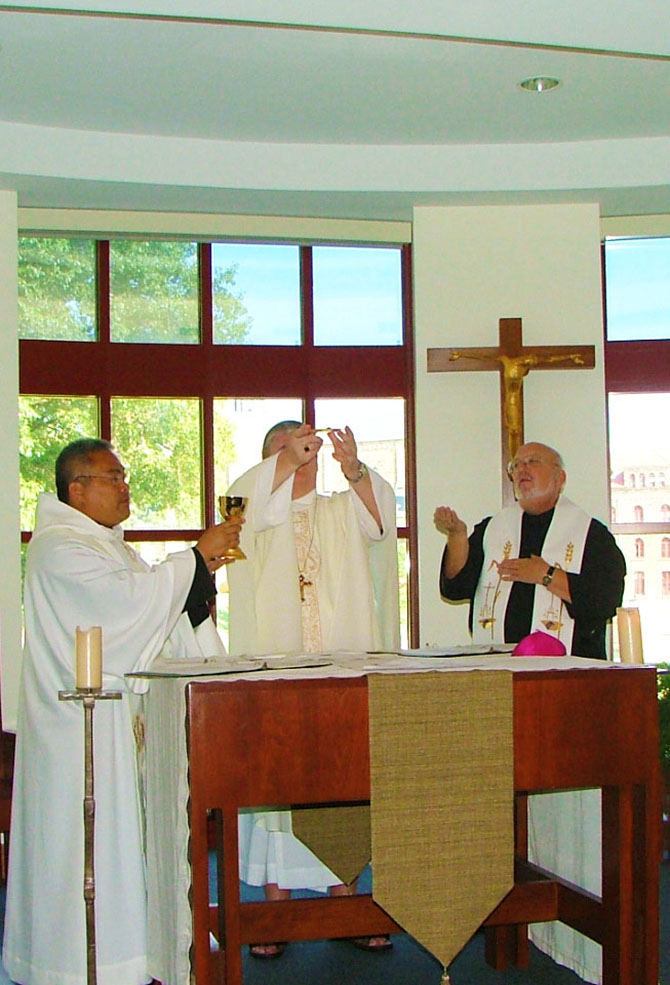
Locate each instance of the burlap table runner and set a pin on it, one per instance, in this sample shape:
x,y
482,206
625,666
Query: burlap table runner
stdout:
x,y
442,800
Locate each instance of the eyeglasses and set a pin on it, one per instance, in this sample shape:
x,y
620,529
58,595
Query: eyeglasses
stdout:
x,y
117,478
531,463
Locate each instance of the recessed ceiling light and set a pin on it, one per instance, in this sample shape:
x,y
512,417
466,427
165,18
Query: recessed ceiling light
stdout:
x,y
541,83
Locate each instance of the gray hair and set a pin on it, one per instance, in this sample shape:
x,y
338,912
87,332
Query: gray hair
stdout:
x,y
557,455
552,451
283,427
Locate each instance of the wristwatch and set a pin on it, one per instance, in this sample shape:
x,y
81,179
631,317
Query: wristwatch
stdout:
x,y
362,472
549,575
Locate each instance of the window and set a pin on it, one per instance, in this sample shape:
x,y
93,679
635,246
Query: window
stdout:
x,y
57,289
637,372
357,303
153,296
638,289
256,294
46,424
665,588
641,525
183,354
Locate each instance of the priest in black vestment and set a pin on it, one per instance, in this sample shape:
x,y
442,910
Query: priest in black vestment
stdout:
x,y
542,564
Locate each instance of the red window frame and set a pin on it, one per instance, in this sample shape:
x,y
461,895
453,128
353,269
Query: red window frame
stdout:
x,y
107,369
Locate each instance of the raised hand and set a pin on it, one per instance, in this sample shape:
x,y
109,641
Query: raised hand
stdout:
x,y
448,521
301,446
345,451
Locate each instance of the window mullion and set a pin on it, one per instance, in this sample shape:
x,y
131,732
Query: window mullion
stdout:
x,y
103,309
307,315
206,311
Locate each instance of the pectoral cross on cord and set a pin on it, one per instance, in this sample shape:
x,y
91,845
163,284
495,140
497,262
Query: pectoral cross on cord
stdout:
x,y
303,582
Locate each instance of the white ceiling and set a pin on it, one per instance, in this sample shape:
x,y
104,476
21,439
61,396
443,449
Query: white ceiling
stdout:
x,y
361,108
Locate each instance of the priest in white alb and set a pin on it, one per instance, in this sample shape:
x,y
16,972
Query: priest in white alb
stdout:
x,y
321,575
81,573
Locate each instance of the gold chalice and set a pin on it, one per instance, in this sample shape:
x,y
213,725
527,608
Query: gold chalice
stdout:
x,y
233,506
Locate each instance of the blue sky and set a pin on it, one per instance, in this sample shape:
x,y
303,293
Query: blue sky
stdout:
x,y
638,288
357,292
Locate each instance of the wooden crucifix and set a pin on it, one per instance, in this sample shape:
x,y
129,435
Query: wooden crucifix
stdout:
x,y
514,361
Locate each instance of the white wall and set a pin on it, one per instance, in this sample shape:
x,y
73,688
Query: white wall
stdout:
x,y
473,266
10,590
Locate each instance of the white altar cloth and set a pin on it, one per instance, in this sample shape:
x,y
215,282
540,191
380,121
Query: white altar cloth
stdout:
x,y
168,869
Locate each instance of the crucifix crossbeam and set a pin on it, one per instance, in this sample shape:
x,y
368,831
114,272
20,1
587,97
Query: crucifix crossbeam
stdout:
x,y
513,360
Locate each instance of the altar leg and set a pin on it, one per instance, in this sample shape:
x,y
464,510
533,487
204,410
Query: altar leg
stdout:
x,y
228,883
630,886
508,944
199,854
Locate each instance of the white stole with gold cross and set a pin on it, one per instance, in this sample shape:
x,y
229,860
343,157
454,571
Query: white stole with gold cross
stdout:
x,y
563,547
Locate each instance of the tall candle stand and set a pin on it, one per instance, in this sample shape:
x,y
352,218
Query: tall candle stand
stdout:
x,y
88,697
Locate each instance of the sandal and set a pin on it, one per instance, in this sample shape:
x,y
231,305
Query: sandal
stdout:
x,y
376,944
267,951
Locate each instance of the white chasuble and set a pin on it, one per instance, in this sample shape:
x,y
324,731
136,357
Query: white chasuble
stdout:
x,y
356,582
563,547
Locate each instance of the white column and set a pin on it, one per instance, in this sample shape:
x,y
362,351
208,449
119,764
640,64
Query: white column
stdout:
x,y
473,266
10,583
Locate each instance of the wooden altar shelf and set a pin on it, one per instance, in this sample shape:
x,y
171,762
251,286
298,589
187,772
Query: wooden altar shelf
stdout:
x,y
256,742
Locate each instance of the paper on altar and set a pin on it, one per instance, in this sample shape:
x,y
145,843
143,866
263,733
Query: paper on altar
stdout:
x,y
218,666
208,666
463,650
409,661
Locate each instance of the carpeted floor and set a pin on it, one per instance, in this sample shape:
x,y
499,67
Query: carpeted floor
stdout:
x,y
340,963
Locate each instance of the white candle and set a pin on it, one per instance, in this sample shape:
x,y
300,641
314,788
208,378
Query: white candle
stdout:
x,y
88,658
630,636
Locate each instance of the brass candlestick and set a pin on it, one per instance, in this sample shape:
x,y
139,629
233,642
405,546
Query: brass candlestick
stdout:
x,y
88,697
233,506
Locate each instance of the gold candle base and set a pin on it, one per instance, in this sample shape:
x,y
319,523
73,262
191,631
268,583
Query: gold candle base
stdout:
x,y
88,696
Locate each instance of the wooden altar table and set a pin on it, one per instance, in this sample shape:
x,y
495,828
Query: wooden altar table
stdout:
x,y
261,742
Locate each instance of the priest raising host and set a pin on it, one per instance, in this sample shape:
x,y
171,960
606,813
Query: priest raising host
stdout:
x,y
322,575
